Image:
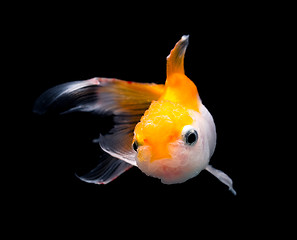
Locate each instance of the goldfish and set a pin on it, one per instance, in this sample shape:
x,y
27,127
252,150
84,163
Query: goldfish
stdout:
x,y
163,129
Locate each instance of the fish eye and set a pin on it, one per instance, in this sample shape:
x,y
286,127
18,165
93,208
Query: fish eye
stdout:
x,y
135,145
190,135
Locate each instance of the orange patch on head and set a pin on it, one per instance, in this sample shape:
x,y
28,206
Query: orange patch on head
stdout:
x,y
161,124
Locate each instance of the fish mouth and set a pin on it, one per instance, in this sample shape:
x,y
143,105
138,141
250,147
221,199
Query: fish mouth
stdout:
x,y
176,169
166,169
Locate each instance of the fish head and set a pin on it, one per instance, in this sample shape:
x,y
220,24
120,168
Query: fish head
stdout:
x,y
169,143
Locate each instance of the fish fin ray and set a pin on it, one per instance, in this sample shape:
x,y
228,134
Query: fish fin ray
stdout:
x,y
106,171
223,177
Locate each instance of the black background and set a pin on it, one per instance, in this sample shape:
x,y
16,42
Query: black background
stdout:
x,y
61,44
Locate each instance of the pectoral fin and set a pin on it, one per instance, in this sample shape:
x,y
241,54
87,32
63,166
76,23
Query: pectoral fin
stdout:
x,y
223,177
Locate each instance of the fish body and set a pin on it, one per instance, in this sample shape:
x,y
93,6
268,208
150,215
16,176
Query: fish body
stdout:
x,y
164,130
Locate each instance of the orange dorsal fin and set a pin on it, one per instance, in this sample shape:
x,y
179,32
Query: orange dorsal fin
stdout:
x,y
175,60
178,87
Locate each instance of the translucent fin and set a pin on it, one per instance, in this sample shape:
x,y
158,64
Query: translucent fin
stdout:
x,y
223,177
106,171
118,142
66,97
175,60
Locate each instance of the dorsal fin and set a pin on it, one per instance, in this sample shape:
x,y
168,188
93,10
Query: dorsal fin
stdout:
x,y
178,87
175,60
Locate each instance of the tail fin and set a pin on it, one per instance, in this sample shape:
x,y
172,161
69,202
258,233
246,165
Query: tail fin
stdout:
x,y
67,97
103,95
